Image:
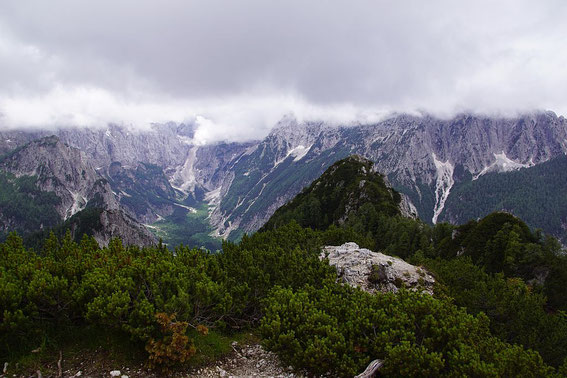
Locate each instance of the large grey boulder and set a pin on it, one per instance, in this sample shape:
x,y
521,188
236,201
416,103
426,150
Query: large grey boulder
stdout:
x,y
374,271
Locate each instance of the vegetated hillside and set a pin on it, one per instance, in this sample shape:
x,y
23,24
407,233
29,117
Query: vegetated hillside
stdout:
x,y
24,207
498,310
508,272
171,302
338,194
538,195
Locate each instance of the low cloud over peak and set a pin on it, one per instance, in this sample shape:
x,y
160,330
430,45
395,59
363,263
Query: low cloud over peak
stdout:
x,y
241,66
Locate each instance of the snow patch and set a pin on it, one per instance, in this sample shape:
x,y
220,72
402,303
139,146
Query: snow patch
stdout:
x,y
191,209
298,153
186,140
503,163
443,185
124,194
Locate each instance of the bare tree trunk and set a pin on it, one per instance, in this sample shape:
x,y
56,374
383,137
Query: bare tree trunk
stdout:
x,y
371,369
59,370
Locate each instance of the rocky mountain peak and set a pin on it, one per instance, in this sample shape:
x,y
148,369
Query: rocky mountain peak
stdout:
x,y
289,134
61,169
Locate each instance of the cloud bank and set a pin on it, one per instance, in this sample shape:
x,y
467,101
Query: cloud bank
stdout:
x,y
238,67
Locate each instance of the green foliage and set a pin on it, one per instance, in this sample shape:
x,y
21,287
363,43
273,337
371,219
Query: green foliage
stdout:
x,y
501,289
337,331
286,257
70,284
517,313
119,287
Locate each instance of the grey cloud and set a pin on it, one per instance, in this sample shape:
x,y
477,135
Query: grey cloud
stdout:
x,y
188,57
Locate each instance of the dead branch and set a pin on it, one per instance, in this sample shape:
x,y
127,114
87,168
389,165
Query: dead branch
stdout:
x,y
59,370
371,369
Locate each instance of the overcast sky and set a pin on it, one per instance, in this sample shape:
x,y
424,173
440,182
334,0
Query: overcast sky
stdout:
x,y
239,66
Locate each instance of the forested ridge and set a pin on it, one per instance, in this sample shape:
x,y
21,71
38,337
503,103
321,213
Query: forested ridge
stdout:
x,y
24,207
498,309
538,195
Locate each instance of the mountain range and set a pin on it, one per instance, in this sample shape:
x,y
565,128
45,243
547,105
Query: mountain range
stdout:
x,y
185,192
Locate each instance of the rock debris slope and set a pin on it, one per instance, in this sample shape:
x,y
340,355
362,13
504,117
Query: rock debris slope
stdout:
x,y
247,361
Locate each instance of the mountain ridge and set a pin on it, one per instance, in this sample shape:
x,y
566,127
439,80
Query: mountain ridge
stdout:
x,y
242,184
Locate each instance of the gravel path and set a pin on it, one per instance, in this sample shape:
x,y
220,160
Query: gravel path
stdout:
x,y
247,361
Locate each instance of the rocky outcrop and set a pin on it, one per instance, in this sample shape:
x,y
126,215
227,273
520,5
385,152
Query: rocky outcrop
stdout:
x,y
374,271
407,208
117,224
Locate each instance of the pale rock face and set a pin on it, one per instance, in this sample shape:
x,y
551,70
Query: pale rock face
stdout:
x,y
162,144
289,137
355,265
425,156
